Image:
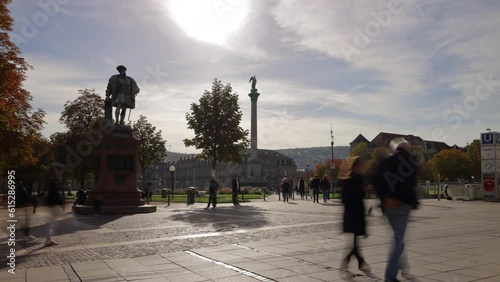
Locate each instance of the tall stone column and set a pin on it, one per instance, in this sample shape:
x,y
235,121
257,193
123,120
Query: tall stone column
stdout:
x,y
254,95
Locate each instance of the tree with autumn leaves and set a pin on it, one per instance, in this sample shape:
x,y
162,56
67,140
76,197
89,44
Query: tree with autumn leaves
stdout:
x,y
19,125
450,164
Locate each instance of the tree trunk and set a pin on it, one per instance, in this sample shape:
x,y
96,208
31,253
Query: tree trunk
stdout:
x,y
214,164
143,171
82,175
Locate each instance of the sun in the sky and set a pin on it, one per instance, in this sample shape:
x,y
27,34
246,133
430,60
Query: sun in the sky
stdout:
x,y
209,21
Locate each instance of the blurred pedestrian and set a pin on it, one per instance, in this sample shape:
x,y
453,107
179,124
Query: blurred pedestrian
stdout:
x,y
290,189
353,193
54,199
285,189
23,199
236,188
315,185
395,184
213,189
302,187
325,187
149,195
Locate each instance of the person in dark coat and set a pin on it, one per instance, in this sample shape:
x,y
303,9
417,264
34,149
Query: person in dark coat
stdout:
x,y
236,187
285,189
81,196
353,193
302,187
54,198
315,185
213,189
395,184
325,187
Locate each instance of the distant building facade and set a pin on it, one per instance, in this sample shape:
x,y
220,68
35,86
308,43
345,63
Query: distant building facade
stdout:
x,y
429,148
259,168
266,170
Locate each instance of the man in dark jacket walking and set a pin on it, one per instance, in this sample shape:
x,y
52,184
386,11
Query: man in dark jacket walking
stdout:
x,y
395,183
302,187
315,185
325,187
213,189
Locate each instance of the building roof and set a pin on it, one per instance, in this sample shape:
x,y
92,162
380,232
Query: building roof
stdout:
x,y
266,154
359,139
456,147
436,145
384,138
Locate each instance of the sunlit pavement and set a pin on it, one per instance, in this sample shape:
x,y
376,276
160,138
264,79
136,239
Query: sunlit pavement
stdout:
x,y
257,241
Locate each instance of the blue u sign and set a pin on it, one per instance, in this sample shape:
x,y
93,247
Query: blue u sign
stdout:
x,y
497,138
487,138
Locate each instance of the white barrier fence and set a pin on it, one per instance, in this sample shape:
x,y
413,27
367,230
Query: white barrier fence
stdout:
x,y
456,191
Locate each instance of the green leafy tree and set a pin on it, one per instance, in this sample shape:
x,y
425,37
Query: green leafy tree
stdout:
x,y
377,155
82,113
80,117
451,164
474,150
41,169
474,153
151,145
427,171
361,150
19,126
216,124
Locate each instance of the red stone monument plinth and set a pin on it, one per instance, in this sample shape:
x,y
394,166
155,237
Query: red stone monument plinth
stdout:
x,y
114,188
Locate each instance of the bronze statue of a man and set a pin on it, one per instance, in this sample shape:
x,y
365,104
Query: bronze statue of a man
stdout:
x,y
121,90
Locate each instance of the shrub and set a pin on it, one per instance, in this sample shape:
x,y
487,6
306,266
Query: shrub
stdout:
x,y
225,190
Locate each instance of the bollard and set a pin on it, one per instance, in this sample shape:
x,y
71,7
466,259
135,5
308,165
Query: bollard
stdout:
x,y
264,192
168,200
439,187
467,189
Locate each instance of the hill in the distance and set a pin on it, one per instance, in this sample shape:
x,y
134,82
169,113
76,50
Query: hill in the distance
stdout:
x,y
313,155
301,156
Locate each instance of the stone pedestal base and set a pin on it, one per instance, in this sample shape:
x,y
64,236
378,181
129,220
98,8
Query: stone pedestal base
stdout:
x,y
115,170
113,209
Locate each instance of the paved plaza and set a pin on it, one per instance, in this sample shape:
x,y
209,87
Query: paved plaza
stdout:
x,y
259,241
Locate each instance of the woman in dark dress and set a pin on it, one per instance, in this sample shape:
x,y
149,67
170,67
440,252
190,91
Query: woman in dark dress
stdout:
x,y
353,193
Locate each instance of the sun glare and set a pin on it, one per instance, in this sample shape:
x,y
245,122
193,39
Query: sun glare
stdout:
x,y
208,21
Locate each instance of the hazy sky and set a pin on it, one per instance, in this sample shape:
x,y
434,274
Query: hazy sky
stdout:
x,y
423,67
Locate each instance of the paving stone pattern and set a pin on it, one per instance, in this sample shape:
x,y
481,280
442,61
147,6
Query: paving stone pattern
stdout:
x,y
259,241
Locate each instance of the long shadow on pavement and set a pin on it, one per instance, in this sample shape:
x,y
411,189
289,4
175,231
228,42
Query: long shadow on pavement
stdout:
x,y
224,218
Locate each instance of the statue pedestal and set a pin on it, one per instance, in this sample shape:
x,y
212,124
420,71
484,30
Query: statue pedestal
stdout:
x,y
115,176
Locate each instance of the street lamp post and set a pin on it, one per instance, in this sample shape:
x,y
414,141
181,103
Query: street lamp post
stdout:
x,y
172,170
331,138
332,164
307,177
